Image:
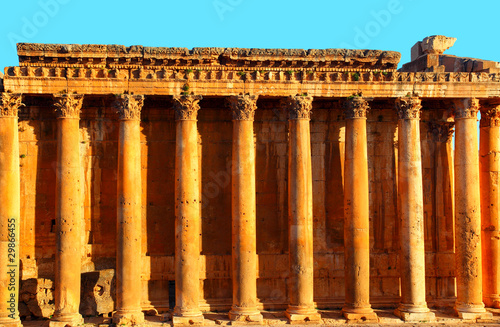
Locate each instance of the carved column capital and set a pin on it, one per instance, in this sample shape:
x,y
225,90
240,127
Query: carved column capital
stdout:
x,y
490,115
129,106
68,105
299,106
243,106
9,104
441,131
356,107
186,106
466,108
408,107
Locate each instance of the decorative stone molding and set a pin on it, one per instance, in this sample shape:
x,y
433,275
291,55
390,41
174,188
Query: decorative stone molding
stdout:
x,y
466,108
129,106
10,104
299,106
186,106
243,106
490,115
408,107
441,131
356,107
68,105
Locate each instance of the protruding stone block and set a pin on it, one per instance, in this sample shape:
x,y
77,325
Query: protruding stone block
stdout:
x,y
409,316
437,44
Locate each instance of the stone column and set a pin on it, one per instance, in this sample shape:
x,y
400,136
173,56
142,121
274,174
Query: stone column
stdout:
x,y
413,306
300,221
489,154
356,214
243,211
10,209
68,212
187,212
129,227
468,270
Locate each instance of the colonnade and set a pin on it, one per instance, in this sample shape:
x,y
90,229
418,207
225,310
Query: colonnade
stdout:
x,y
301,307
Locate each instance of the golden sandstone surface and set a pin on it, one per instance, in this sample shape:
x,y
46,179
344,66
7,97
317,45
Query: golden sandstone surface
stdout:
x,y
270,185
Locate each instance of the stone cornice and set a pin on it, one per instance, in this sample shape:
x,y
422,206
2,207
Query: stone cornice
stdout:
x,y
243,106
465,108
68,105
186,106
408,107
299,106
98,55
129,106
356,107
490,115
10,104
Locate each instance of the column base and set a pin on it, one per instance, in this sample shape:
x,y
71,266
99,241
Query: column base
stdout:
x,y
9,322
360,314
301,315
414,314
187,318
63,320
242,315
472,312
128,317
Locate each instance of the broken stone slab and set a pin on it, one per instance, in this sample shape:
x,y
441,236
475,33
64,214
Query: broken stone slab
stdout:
x,y
98,293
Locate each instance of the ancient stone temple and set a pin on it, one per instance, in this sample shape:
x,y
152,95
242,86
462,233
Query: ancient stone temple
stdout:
x,y
177,182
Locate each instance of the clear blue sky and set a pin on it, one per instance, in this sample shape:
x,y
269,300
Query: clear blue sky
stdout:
x,y
376,24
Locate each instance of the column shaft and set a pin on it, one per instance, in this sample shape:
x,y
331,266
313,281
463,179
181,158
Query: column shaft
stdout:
x,y
9,210
68,213
468,268
300,230
187,213
244,256
356,214
490,203
129,227
413,306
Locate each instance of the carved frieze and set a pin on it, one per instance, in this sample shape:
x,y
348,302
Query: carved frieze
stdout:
x,y
10,104
408,107
490,115
243,106
68,105
186,106
466,108
441,131
356,107
129,106
299,106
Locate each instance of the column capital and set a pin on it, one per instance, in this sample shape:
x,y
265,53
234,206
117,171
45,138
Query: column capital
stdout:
x,y
490,115
243,106
9,104
186,106
356,107
298,106
465,108
441,131
68,105
408,107
129,106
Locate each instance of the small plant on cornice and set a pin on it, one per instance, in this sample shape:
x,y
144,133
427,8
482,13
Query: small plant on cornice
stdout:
x,y
354,95
189,71
241,74
302,94
355,76
385,73
262,71
289,72
22,156
309,72
198,70
185,87
408,95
